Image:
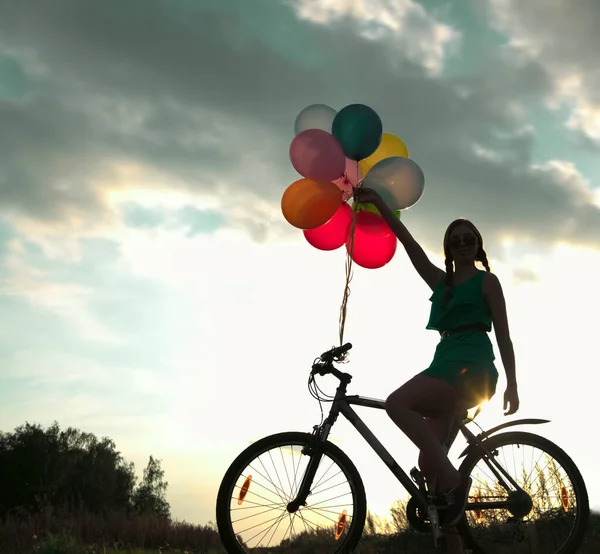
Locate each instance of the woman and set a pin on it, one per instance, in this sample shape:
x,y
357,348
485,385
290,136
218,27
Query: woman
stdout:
x,y
466,301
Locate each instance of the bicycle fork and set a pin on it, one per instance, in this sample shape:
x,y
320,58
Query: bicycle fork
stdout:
x,y
315,451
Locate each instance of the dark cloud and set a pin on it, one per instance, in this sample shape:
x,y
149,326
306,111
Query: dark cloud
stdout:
x,y
563,34
47,154
199,95
562,37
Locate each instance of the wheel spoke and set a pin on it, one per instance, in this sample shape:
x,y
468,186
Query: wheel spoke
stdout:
x,y
258,484
277,520
533,517
278,477
279,490
259,518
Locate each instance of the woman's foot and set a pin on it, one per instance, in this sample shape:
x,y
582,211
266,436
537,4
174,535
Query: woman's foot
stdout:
x,y
454,544
456,500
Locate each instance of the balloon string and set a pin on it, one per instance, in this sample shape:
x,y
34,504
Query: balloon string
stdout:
x,y
349,271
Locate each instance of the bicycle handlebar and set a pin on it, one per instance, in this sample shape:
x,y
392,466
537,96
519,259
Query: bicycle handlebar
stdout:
x,y
324,364
336,352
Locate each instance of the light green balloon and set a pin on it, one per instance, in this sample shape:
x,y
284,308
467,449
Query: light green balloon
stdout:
x,y
371,208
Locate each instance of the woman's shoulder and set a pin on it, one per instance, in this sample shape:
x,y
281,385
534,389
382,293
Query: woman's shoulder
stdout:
x,y
487,279
491,283
489,276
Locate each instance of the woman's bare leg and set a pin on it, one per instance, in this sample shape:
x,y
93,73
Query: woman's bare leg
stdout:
x,y
440,427
405,405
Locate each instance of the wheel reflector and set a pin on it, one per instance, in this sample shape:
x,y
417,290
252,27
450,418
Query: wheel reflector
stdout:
x,y
341,524
244,490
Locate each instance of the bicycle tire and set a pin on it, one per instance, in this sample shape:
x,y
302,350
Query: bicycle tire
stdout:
x,y
224,496
576,536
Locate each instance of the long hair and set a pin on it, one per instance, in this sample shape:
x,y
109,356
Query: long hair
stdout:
x,y
480,256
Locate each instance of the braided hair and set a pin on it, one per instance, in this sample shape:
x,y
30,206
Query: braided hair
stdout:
x,y
480,256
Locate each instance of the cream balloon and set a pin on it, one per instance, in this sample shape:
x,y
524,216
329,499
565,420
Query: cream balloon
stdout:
x,y
315,116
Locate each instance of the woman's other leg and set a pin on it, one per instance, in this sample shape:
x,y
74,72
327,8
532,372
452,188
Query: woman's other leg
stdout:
x,y
440,427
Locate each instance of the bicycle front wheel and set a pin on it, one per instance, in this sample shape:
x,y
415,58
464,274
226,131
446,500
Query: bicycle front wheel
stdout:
x,y
548,510
252,513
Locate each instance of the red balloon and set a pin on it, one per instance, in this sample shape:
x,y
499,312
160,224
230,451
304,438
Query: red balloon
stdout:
x,y
333,234
374,242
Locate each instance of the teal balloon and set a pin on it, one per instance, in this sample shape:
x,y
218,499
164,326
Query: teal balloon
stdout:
x,y
359,130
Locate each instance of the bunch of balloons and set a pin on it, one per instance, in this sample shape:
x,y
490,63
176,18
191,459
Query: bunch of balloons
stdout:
x,y
335,152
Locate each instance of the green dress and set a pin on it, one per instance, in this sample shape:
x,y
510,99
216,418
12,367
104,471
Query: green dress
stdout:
x,y
464,359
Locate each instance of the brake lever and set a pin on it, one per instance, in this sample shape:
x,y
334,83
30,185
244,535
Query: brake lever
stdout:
x,y
317,369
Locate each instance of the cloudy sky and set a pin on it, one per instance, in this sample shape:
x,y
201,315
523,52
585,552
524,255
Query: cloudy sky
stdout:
x,y
150,288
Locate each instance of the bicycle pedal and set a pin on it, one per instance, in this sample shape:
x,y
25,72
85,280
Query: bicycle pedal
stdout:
x,y
416,476
434,519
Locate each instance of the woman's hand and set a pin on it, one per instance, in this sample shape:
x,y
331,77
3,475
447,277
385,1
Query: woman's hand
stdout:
x,y
511,398
365,195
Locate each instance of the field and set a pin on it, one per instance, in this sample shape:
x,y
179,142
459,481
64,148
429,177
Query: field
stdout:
x,y
56,532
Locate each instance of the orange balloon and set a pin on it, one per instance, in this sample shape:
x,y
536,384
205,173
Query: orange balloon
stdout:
x,y
308,204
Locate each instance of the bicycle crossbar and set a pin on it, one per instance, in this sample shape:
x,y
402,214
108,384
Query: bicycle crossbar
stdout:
x,y
366,402
373,441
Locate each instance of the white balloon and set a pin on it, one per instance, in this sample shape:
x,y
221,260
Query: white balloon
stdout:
x,y
315,116
399,181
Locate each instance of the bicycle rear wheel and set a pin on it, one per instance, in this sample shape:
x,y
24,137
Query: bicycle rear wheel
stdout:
x,y
548,515
252,500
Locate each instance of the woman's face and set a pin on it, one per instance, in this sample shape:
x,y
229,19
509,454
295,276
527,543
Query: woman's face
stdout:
x,y
463,244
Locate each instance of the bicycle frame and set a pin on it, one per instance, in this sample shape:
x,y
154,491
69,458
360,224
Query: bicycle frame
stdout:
x,y
342,405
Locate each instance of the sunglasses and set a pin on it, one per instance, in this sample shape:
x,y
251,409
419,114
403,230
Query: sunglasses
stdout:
x,y
467,240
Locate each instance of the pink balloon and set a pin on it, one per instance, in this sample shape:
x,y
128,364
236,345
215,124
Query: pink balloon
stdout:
x,y
316,154
351,177
374,242
332,234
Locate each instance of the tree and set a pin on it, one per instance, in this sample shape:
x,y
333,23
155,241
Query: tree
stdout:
x,y
149,497
63,468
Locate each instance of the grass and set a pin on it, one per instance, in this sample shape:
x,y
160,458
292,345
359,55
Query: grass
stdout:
x,y
59,532
55,531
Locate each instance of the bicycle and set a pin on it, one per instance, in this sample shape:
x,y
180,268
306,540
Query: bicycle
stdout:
x,y
290,472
